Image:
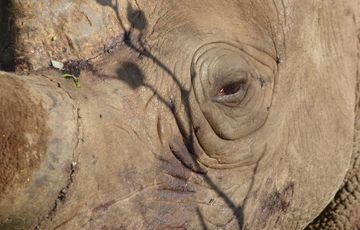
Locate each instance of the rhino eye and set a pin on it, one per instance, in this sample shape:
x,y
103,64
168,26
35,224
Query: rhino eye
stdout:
x,y
228,83
232,88
231,93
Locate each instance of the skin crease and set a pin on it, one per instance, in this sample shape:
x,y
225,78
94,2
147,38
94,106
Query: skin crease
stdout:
x,y
151,149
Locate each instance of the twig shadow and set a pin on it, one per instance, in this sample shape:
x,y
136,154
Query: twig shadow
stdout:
x,y
132,74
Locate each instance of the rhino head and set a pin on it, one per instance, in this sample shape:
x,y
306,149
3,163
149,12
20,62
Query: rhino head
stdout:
x,y
200,115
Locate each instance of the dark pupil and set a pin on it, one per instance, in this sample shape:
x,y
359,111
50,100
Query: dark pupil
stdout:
x,y
231,88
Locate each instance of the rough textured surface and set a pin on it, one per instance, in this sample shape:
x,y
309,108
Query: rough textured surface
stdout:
x,y
62,30
38,135
23,134
237,115
343,212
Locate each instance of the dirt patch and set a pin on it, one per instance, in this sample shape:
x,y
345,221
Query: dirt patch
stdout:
x,y
23,134
75,67
277,201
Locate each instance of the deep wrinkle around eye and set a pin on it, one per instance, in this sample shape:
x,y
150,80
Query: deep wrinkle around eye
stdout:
x,y
227,88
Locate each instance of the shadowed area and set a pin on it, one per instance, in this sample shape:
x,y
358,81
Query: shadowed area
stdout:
x,y
7,56
132,75
137,18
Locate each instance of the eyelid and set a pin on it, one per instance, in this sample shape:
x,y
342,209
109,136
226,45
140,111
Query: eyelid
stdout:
x,y
232,114
226,98
241,77
237,85
232,99
220,80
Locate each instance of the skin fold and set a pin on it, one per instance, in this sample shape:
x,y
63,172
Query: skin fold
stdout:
x,y
191,114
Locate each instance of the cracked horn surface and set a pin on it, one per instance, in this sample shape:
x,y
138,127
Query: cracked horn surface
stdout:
x,y
46,152
67,34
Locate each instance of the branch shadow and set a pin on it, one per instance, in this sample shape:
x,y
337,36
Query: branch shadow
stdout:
x,y
133,75
202,221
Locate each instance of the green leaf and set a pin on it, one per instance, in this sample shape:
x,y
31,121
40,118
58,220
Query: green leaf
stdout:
x,y
75,79
77,83
68,76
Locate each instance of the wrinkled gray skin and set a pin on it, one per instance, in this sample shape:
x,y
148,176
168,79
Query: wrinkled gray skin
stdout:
x,y
191,114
